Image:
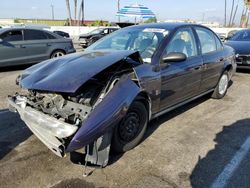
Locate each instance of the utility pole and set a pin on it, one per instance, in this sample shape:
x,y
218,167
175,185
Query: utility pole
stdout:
x,y
118,9
52,11
225,18
203,17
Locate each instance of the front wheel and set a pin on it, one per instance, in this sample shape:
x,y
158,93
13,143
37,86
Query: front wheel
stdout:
x,y
130,131
222,86
57,53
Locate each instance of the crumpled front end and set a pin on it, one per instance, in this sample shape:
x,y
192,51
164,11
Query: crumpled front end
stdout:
x,y
66,122
48,129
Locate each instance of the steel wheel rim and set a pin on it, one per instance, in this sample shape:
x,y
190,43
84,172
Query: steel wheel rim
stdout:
x,y
129,127
58,54
223,84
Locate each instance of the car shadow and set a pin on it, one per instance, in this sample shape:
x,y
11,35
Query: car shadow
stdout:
x,y
12,132
226,165
241,70
154,124
14,68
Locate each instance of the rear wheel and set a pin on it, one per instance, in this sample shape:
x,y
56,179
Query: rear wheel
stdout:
x,y
57,53
130,131
221,88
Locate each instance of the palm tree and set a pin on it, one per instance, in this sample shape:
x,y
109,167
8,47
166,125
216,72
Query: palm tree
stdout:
x,y
225,16
75,3
235,12
69,12
231,14
81,13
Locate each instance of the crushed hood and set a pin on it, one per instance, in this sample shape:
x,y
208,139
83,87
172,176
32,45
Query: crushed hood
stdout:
x,y
70,72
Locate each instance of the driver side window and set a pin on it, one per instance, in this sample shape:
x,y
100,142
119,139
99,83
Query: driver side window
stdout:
x,y
183,42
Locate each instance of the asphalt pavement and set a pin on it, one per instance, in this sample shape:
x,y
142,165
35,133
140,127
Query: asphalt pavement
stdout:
x,y
203,144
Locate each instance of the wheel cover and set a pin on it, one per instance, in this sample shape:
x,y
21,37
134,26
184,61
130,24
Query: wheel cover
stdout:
x,y
58,54
223,84
130,127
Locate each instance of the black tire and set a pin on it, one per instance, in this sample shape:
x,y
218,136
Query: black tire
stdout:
x,y
130,131
218,94
57,53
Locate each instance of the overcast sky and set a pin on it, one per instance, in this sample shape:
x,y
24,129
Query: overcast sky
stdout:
x,y
213,10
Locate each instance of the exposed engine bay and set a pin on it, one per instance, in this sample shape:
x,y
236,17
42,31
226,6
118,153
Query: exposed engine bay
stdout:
x,y
69,108
75,108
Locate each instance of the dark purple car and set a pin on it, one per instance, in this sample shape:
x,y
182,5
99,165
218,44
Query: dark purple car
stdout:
x,y
104,97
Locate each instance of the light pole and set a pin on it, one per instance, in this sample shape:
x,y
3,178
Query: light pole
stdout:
x,y
52,12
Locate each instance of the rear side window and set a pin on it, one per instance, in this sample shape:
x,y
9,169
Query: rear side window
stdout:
x,y
10,36
218,44
207,40
34,35
49,36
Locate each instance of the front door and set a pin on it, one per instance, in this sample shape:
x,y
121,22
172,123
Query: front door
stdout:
x,y
181,80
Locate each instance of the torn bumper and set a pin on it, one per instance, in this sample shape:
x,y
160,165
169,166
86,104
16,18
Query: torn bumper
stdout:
x,y
48,129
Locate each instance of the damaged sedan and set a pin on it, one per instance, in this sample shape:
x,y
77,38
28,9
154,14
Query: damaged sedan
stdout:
x,y
103,98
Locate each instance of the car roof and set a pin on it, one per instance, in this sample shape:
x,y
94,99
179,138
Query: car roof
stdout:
x,y
167,26
20,28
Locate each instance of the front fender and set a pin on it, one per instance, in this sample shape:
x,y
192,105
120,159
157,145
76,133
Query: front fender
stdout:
x,y
106,114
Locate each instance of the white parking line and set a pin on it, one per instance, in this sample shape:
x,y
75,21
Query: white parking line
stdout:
x,y
229,169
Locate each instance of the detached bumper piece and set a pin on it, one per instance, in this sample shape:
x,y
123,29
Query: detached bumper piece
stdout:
x,y
48,129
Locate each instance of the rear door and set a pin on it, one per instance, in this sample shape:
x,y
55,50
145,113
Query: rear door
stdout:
x,y
181,80
212,54
12,51
37,45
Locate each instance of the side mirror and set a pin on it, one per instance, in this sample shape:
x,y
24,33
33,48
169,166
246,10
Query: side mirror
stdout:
x,y
174,57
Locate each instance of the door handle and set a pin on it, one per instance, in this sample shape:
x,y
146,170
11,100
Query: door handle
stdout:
x,y
48,44
197,68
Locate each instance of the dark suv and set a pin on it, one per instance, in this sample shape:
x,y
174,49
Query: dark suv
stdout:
x,y
24,46
91,37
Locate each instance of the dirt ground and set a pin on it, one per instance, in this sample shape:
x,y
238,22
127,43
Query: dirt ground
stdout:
x,y
197,145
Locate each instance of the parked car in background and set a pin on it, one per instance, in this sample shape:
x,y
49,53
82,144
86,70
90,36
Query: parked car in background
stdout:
x,y
62,33
26,46
91,37
231,34
105,96
240,41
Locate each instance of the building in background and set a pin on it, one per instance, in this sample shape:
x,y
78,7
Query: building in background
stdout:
x,y
49,22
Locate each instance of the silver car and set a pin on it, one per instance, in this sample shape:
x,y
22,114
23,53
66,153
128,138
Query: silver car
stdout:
x,y
26,46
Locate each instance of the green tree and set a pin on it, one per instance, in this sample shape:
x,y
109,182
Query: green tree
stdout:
x,y
151,20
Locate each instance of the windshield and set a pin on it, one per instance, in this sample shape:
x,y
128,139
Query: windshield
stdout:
x,y
143,40
241,36
96,31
